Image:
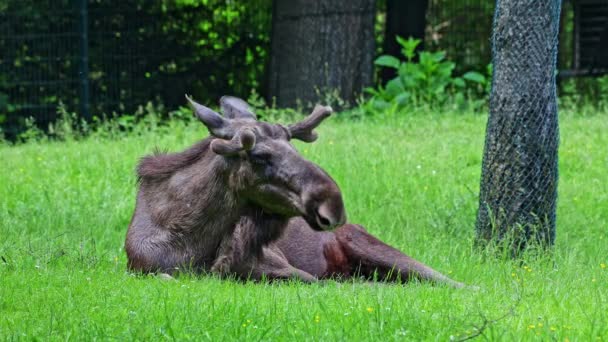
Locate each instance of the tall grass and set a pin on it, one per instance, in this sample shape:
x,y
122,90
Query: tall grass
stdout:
x,y
411,179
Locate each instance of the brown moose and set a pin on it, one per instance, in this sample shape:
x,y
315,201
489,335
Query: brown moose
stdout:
x,y
244,202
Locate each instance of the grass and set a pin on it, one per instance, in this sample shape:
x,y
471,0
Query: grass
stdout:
x,y
412,181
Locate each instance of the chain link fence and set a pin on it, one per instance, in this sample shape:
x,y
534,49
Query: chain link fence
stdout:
x,y
103,56
462,29
37,56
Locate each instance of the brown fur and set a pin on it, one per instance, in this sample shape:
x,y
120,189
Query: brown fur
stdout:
x,y
191,204
244,202
347,252
162,165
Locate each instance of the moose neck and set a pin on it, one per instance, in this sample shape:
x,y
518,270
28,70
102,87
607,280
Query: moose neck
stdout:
x,y
257,228
190,192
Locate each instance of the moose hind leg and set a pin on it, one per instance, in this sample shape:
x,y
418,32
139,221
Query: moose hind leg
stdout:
x,y
149,258
373,256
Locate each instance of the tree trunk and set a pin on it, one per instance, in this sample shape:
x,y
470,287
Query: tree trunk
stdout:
x,y
519,173
404,19
320,46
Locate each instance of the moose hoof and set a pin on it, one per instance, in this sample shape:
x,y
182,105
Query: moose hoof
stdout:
x,y
165,276
221,266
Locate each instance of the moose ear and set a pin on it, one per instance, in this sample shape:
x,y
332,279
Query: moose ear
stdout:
x,y
244,140
304,130
215,123
235,108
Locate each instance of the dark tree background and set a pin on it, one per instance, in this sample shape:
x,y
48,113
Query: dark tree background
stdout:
x,y
139,51
319,46
404,19
156,50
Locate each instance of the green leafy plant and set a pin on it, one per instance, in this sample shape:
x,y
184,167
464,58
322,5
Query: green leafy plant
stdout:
x,y
584,94
427,79
3,106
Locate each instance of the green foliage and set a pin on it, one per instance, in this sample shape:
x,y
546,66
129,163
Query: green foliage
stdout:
x,y
228,42
66,206
145,119
139,50
427,79
584,94
31,132
462,29
3,107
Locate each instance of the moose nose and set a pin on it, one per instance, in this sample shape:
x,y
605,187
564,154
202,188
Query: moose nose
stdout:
x,y
328,217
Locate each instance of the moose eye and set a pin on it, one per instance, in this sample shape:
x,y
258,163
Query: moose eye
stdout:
x,y
260,157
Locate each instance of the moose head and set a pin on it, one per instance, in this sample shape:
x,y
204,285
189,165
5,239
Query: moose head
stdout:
x,y
264,168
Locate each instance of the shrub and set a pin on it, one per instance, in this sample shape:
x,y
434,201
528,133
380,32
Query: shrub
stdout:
x,y
426,78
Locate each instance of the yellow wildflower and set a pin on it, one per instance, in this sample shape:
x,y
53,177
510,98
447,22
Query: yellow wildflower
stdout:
x,y
369,309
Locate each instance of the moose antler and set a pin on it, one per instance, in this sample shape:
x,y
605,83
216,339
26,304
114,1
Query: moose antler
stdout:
x,y
235,108
217,125
243,140
304,130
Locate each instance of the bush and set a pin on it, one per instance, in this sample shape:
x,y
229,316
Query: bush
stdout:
x,y
426,78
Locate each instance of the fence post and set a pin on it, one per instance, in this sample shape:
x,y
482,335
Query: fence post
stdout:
x,y
83,69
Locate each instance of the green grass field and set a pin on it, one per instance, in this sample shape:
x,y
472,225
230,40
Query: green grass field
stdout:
x,y
413,182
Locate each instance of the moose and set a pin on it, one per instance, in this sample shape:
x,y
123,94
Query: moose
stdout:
x,y
244,202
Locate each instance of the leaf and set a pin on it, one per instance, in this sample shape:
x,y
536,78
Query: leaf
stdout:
x,y
458,82
394,88
380,105
474,76
388,61
371,91
403,98
411,74
438,56
445,68
408,47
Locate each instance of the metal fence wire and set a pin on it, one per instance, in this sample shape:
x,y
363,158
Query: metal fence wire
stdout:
x,y
90,56
519,172
462,29
37,58
103,56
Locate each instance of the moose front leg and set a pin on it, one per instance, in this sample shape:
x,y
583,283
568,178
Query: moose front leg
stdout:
x,y
242,254
371,255
225,256
271,264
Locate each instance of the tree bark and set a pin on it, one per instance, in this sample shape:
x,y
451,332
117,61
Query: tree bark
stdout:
x,y
320,46
404,19
519,173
